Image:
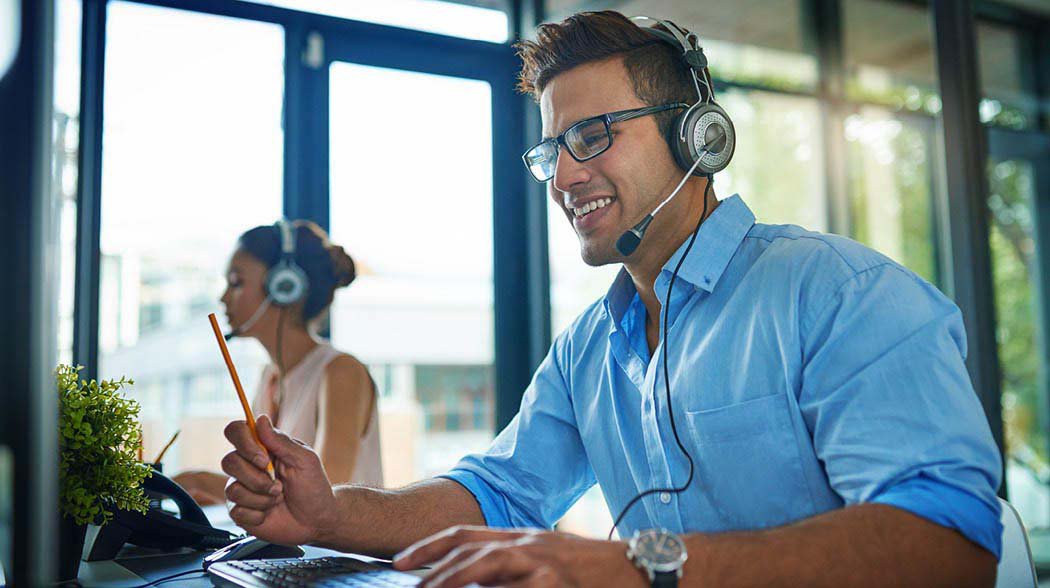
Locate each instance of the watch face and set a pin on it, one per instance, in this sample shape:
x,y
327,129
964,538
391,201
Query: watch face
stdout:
x,y
660,550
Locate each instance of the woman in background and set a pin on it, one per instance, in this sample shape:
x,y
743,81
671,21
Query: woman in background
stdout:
x,y
315,393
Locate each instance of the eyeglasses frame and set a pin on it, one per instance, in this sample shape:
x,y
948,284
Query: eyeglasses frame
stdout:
x,y
608,119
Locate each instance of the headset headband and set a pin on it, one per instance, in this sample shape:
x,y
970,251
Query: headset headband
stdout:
x,y
692,51
286,282
287,239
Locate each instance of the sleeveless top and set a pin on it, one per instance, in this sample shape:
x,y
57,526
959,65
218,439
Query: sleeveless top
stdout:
x,y
298,412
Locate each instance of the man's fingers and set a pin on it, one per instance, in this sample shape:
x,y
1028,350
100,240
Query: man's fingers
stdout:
x,y
459,555
238,433
247,517
495,564
253,478
440,544
280,445
538,578
242,496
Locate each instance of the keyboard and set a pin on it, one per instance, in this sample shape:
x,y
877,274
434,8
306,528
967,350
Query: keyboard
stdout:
x,y
322,572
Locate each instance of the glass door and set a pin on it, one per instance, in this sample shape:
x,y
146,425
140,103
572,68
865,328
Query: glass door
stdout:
x,y
890,171
1019,208
414,134
192,158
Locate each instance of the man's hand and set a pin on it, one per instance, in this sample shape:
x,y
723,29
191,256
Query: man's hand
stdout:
x,y
293,510
520,558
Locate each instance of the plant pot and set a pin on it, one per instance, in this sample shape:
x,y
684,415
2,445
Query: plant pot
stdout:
x,y
70,548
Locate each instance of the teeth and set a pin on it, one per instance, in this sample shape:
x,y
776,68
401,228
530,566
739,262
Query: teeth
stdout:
x,y
591,206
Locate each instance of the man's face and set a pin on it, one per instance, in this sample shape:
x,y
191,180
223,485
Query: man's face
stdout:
x,y
628,178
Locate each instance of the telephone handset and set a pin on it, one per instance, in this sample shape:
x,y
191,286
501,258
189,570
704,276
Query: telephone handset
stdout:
x,y
159,528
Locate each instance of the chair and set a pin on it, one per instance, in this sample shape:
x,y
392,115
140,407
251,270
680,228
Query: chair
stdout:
x,y
1016,568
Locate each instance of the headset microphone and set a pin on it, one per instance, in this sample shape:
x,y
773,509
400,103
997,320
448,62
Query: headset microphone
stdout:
x,y
250,322
630,240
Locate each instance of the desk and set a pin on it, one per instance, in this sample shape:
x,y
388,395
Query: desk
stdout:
x,y
135,566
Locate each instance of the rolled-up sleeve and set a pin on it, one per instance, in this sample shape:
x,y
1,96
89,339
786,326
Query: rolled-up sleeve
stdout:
x,y
890,406
536,468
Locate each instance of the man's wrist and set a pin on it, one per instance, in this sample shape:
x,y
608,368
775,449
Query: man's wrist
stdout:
x,y
633,575
328,532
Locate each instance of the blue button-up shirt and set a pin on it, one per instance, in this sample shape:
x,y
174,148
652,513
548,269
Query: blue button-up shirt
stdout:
x,y
807,373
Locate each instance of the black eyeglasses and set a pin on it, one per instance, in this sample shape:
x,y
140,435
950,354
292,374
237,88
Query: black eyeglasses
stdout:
x,y
584,140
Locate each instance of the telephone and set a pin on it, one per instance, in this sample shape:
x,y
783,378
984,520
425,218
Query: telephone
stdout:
x,y
159,528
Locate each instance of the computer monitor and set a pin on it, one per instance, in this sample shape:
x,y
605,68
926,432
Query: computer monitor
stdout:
x,y
28,468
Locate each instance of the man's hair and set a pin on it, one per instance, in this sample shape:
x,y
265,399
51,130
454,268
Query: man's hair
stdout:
x,y
656,69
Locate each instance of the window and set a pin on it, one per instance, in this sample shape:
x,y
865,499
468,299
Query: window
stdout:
x,y
1014,268
193,153
411,201
64,166
1007,101
742,42
778,167
890,183
485,22
888,53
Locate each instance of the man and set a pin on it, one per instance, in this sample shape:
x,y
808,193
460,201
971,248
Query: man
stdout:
x,y
824,429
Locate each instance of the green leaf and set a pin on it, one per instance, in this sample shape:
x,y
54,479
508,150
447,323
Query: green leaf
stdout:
x,y
98,437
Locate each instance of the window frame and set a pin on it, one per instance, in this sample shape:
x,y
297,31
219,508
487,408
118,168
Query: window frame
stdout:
x,y
516,235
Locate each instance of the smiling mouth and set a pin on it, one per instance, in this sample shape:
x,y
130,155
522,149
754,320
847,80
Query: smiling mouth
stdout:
x,y
590,207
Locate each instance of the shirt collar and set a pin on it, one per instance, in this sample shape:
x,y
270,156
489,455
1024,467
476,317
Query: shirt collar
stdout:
x,y
716,243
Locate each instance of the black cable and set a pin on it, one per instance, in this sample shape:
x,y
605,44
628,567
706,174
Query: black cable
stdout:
x,y
667,381
168,578
279,395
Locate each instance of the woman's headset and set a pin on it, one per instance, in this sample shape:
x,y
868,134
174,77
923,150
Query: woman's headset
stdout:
x,y
286,282
704,131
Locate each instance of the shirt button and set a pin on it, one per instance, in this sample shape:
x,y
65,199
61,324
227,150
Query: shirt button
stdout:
x,y
665,497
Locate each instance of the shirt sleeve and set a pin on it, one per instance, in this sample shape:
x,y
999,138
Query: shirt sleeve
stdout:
x,y
536,468
889,403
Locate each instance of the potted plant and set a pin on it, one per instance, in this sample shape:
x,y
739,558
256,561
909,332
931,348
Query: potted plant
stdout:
x,y
98,470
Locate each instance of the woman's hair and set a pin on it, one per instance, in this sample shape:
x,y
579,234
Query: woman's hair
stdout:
x,y
327,266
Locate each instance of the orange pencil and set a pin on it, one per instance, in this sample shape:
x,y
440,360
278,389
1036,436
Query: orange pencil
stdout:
x,y
240,391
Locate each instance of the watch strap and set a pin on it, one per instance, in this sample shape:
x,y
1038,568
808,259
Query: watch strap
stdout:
x,y
665,580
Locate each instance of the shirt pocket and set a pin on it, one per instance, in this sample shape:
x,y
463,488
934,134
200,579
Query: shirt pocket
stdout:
x,y
748,463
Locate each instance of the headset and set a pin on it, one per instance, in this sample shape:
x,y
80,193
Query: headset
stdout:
x,y
702,140
285,284
704,133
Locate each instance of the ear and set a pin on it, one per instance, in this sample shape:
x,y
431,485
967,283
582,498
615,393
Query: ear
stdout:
x,y
675,144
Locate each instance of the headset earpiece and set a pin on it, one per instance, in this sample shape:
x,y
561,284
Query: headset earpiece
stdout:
x,y
706,132
286,282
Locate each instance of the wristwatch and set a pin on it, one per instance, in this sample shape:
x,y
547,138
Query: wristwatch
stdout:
x,y
660,554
